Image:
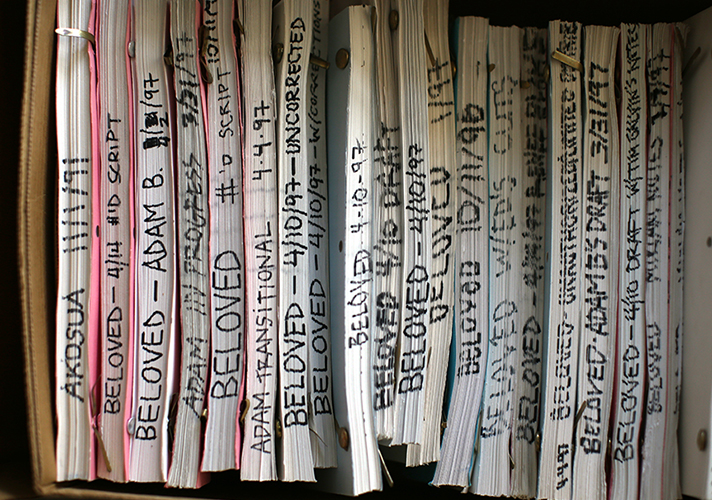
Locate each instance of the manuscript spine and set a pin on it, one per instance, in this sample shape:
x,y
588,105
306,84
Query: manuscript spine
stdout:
x,y
532,231
671,464
155,301
628,388
441,132
562,320
388,228
227,255
292,28
471,259
75,227
321,409
352,133
261,278
191,171
117,175
417,240
599,267
492,465
650,457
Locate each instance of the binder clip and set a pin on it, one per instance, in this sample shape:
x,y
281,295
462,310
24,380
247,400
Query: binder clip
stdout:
x,y
75,33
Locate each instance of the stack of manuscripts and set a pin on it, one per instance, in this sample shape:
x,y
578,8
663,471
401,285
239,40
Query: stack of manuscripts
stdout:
x,y
293,242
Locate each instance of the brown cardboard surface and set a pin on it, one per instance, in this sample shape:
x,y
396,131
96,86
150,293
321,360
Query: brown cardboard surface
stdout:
x,y
35,258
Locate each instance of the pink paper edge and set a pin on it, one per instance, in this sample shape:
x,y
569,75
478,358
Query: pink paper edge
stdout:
x,y
94,330
241,397
203,477
132,250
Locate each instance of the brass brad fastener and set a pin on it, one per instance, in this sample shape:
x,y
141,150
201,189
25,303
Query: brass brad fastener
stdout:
x,y
343,438
277,53
393,20
342,58
702,440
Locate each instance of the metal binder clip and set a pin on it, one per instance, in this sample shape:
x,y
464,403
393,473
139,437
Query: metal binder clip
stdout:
x,y
567,60
73,32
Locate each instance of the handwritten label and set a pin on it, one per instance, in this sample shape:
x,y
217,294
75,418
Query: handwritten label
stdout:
x,y
417,280
529,378
293,232
472,215
193,223
154,256
565,251
262,415
625,431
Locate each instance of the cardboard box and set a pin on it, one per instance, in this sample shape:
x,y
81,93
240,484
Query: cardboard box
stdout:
x,y
35,204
